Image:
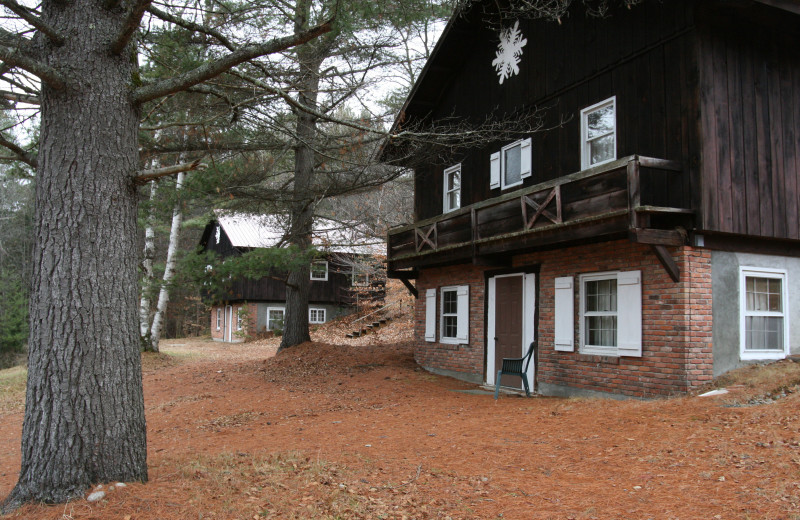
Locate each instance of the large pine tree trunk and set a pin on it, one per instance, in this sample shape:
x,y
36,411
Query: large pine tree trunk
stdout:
x,y
84,419
298,284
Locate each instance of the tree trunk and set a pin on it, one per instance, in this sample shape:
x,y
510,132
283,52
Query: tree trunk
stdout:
x,y
84,416
169,269
298,284
148,256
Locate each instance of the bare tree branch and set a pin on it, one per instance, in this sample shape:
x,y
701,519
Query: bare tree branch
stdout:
x,y
19,98
186,24
15,58
316,113
25,13
217,67
146,176
19,153
131,24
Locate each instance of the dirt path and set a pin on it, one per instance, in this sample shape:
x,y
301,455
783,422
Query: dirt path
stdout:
x,y
324,431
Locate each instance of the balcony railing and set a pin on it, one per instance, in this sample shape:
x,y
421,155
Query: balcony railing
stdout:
x,y
602,200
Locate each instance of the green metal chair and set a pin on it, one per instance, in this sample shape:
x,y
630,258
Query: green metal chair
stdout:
x,y
515,367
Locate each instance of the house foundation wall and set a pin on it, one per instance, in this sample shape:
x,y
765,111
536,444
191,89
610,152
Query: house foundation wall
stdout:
x,y
676,322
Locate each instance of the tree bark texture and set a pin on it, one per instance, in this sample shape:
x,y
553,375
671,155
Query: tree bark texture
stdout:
x,y
84,419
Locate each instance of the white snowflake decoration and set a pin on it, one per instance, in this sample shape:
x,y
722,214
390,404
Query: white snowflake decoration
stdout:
x,y
509,52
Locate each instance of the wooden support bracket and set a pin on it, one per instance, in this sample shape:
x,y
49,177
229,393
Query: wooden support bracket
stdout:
x,y
411,288
667,262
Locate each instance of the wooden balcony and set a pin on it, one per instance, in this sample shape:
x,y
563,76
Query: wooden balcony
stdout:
x,y
638,197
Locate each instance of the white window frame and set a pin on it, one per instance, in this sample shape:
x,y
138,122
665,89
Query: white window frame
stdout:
x,y
219,318
763,272
447,189
601,350
461,315
314,313
497,166
585,148
270,309
239,320
317,278
628,314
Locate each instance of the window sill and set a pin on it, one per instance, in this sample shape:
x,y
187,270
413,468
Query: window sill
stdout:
x,y
598,358
762,355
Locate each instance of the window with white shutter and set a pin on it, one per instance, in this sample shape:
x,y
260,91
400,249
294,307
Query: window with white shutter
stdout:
x,y
454,314
515,163
430,315
611,313
494,171
565,315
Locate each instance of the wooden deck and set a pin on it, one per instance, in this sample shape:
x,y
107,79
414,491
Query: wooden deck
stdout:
x,y
598,202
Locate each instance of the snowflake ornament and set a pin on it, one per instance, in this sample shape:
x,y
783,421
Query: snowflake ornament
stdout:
x,y
509,52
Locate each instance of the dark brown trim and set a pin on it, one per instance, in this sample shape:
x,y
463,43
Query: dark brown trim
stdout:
x,y
667,262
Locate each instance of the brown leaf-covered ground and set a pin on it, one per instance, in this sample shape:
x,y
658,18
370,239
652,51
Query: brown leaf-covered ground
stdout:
x,y
356,430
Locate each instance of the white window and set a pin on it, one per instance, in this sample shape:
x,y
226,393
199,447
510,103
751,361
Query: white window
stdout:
x,y
316,315
610,314
275,318
763,303
319,270
239,318
510,165
452,188
219,318
599,133
454,314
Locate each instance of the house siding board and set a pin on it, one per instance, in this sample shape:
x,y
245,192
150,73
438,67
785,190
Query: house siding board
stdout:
x,y
677,322
650,122
749,87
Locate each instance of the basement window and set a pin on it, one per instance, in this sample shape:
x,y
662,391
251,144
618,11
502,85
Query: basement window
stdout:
x,y
316,316
763,323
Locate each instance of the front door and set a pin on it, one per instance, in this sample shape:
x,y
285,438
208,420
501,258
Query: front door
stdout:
x,y
229,323
508,324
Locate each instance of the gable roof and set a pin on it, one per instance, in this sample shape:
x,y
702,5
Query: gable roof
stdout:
x,y
261,231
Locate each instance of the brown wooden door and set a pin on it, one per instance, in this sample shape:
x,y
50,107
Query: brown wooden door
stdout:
x,y
508,324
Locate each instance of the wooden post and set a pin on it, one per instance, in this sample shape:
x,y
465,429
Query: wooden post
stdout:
x,y
634,195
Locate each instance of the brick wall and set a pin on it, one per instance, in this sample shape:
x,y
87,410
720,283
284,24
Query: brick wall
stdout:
x,y
467,358
676,321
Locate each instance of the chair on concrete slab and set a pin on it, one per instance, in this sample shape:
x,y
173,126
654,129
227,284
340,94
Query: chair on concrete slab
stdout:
x,y
516,367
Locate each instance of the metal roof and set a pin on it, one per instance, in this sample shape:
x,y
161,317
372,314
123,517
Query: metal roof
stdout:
x,y
251,231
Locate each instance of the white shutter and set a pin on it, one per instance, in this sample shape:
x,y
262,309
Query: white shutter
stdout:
x,y
430,315
462,326
565,315
525,158
494,171
629,309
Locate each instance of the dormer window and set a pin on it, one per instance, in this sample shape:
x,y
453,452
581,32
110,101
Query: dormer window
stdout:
x,y
511,165
452,188
599,133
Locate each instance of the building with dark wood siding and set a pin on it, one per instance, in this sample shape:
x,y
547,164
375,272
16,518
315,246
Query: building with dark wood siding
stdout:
x,y
348,275
648,235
